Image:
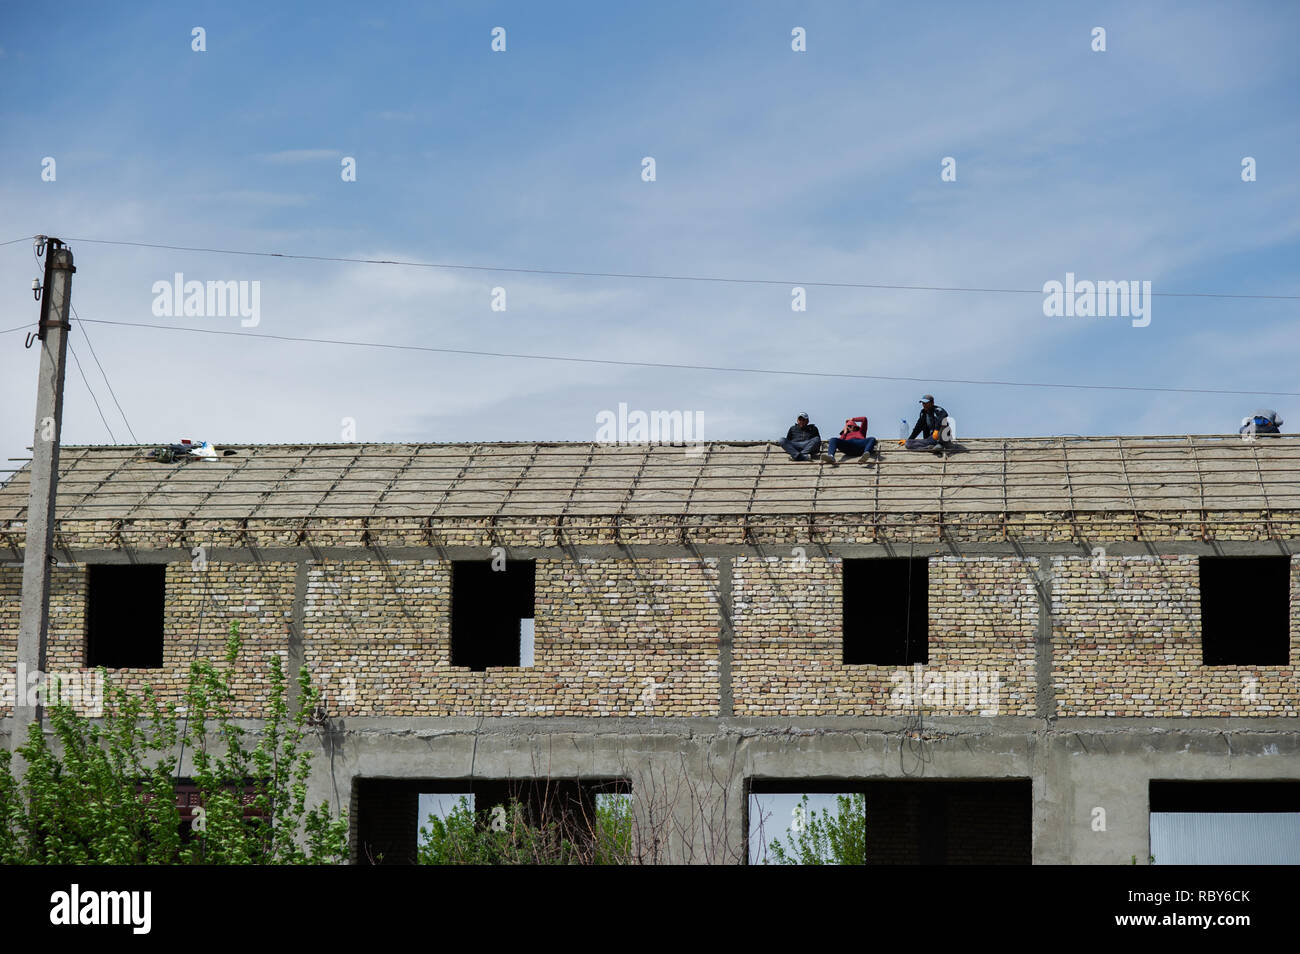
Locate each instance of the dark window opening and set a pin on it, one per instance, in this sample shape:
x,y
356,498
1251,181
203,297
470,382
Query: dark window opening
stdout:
x,y
1265,796
1245,611
387,811
124,616
492,613
932,822
387,822
886,611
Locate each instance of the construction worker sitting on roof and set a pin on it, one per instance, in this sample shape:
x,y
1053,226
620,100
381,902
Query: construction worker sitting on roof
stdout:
x,y
933,429
1264,421
853,441
802,439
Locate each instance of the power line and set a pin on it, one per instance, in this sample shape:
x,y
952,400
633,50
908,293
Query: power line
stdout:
x,y
648,276
25,238
639,275
97,363
30,324
690,367
92,393
129,429
82,371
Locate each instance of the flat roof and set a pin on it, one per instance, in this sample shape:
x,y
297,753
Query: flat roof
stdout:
x,y
986,475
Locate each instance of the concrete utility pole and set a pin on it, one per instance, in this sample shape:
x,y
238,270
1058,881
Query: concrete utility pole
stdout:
x,y
56,303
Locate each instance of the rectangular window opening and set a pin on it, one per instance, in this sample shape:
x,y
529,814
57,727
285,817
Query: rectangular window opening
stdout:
x,y
929,822
886,611
390,813
1245,611
1225,823
492,613
124,616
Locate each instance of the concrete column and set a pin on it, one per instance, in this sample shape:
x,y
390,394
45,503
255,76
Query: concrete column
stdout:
x,y
726,631
1051,799
297,650
689,803
39,530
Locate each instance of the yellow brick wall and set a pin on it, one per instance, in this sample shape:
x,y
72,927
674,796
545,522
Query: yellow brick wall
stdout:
x,y
259,597
613,638
619,638
1127,642
788,648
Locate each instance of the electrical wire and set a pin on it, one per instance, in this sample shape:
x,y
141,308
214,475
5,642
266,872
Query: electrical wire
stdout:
x,y
113,393
913,733
639,275
646,364
97,363
686,367
92,392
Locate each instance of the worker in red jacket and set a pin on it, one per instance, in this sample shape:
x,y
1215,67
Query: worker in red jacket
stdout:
x,y
853,442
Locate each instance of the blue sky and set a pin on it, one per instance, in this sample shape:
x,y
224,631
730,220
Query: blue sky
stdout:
x,y
796,167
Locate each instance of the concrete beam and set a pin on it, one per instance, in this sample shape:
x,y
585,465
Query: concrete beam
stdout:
x,y
674,551
690,777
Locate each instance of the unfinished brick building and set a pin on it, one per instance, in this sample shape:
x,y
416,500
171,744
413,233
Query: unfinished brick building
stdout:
x,y
1019,652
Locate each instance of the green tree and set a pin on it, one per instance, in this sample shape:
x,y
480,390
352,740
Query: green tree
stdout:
x,y
505,836
614,830
107,795
826,838
276,769
95,802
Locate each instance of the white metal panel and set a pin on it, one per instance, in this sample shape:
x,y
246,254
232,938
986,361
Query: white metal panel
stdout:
x,y
1225,838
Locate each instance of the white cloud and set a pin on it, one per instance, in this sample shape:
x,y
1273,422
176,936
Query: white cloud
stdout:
x,y
830,178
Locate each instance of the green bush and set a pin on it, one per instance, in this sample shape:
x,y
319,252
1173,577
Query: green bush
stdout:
x,y
505,836
107,795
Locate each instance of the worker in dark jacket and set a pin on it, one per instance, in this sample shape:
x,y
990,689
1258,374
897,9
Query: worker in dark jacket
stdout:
x,y
927,433
802,441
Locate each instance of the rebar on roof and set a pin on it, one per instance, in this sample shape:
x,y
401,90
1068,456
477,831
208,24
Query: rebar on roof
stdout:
x,y
439,481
